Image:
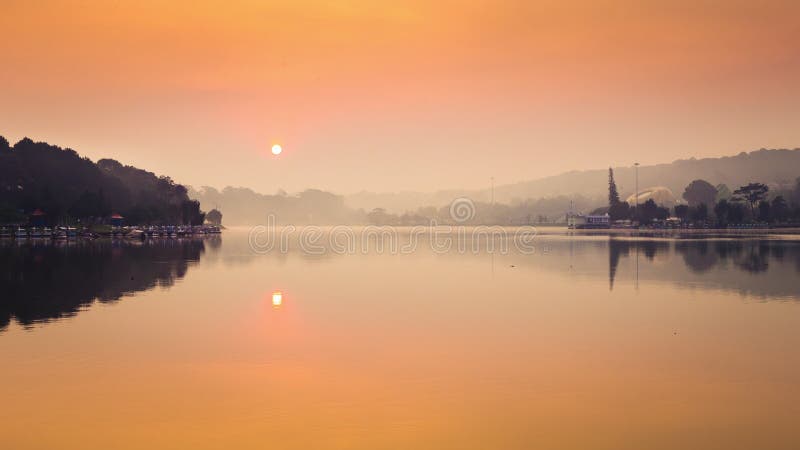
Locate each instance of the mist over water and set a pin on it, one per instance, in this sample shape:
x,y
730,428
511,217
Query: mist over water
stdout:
x,y
373,225
624,338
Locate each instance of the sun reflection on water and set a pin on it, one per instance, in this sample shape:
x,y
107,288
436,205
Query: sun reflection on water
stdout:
x,y
277,299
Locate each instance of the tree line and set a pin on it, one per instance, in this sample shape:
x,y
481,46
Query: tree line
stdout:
x,y
710,205
69,188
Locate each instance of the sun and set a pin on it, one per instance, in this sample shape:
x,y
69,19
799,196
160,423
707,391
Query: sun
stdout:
x,y
276,149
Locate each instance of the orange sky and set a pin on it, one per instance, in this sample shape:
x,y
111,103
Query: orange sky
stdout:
x,y
398,95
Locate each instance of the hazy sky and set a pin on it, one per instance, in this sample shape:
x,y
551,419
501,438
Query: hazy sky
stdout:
x,y
398,95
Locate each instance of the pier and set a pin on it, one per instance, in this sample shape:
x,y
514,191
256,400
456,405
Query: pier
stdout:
x,y
127,232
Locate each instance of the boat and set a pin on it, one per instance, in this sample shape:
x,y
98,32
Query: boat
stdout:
x,y
47,232
21,233
35,233
5,232
69,232
135,234
59,234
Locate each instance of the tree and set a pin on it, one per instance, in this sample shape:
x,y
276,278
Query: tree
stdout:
x,y
36,175
649,211
723,193
613,195
699,213
682,212
796,193
736,212
191,213
214,217
90,204
4,147
700,191
10,215
780,209
764,211
617,210
752,193
722,210
379,216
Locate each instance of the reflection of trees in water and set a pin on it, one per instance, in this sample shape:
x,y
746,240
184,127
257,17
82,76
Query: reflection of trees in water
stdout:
x,y
697,255
748,255
40,282
754,258
701,256
624,247
615,250
651,248
214,242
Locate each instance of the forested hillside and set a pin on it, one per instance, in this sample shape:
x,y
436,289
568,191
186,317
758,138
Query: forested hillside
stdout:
x,y
68,187
777,168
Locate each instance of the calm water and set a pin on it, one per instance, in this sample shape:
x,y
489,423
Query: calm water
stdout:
x,y
590,342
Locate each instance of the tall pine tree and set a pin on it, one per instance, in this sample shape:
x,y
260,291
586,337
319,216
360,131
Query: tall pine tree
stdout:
x,y
613,195
617,210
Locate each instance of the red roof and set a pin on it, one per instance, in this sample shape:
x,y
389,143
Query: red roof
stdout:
x,y
38,212
116,216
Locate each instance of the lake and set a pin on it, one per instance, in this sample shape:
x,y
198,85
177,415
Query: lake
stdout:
x,y
584,341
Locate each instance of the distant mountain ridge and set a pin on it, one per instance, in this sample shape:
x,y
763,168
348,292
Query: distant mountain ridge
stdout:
x,y
778,168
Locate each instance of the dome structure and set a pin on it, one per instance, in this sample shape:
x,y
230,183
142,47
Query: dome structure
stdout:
x,y
659,194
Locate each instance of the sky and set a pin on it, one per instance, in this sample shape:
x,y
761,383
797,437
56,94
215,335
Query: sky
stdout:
x,y
389,96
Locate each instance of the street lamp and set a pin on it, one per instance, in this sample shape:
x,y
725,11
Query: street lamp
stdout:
x,y
492,178
636,193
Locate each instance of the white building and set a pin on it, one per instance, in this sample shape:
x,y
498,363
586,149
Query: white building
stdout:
x,y
577,221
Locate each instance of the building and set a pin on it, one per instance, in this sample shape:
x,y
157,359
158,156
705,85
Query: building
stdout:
x,y
117,220
661,195
37,218
578,221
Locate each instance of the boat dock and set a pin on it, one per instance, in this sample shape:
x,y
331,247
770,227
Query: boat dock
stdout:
x,y
127,232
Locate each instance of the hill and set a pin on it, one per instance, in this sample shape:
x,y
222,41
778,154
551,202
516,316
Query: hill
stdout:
x,y
243,206
778,168
67,187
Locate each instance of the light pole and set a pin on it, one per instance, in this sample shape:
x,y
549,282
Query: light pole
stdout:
x,y
636,212
492,178
636,194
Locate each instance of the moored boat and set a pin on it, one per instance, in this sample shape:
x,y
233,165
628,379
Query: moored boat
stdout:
x,y
69,232
135,234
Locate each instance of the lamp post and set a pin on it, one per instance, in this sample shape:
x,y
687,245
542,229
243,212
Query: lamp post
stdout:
x,y
636,211
492,178
636,194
